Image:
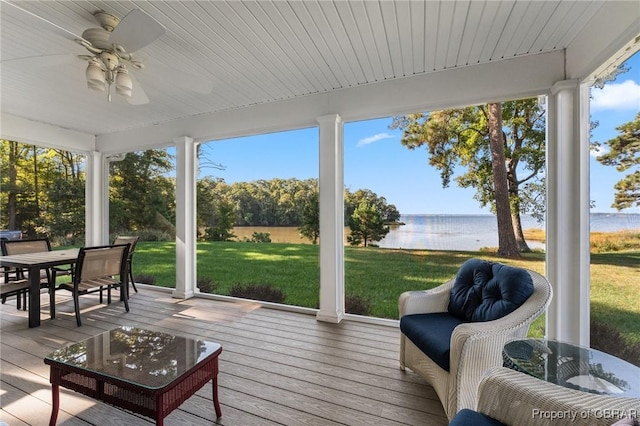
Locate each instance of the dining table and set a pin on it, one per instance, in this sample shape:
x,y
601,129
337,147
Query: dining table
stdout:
x,y
34,263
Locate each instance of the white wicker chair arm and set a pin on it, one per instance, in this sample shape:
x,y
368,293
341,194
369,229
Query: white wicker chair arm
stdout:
x,y
515,398
425,301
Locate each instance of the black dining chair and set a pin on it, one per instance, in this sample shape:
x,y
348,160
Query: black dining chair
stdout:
x,y
16,279
132,241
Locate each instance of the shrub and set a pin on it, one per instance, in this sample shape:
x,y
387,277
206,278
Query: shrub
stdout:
x,y
264,292
261,237
607,339
357,305
145,279
149,234
206,285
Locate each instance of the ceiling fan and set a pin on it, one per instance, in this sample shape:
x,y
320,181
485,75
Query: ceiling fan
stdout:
x,y
112,45
111,59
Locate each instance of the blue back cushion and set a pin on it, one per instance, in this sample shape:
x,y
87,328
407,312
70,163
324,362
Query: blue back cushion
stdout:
x,y
431,333
485,291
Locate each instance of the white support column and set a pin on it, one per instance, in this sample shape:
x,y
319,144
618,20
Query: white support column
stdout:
x,y
568,206
331,219
97,201
186,166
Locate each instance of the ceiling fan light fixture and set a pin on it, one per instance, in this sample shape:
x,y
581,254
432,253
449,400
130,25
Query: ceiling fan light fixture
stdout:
x,y
95,76
124,85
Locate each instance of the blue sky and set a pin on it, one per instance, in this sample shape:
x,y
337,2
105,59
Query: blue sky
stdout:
x,y
374,158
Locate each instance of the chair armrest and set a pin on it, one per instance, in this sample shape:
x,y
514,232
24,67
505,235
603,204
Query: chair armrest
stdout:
x,y
425,301
516,398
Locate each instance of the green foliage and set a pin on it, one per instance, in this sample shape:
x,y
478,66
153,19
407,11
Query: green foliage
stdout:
x,y
264,292
357,305
206,285
42,192
366,225
389,212
145,279
624,154
261,237
310,227
606,338
220,221
141,195
149,234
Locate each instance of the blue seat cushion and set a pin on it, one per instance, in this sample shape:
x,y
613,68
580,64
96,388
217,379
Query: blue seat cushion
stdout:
x,y
466,417
486,291
431,333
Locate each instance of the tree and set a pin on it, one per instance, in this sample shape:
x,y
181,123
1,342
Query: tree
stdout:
x,y
460,138
366,225
141,195
221,225
624,154
506,238
352,200
310,227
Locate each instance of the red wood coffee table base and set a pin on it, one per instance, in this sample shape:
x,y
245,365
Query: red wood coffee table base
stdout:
x,y
155,402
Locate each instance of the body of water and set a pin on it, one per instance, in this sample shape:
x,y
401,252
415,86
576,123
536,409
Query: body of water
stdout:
x,y
472,232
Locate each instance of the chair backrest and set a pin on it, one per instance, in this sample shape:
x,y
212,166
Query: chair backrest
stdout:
x,y
102,261
123,239
35,245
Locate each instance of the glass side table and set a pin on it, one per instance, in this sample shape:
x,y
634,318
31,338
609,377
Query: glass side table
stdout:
x,y
573,366
146,372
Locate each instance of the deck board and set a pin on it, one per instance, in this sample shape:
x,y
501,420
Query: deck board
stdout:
x,y
277,367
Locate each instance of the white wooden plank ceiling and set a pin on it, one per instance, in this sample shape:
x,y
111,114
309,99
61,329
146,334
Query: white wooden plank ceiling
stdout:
x,y
224,55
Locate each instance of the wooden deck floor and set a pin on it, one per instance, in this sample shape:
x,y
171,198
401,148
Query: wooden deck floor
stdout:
x,y
276,367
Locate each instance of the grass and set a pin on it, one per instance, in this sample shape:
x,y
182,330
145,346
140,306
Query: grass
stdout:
x,y
379,276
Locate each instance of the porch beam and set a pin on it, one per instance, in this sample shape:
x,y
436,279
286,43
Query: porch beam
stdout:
x,y
186,167
567,249
331,219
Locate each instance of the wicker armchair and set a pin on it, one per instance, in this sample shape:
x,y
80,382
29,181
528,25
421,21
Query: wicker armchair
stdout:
x,y
514,398
474,346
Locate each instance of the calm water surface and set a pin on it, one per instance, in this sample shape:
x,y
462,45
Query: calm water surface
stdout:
x,y
472,232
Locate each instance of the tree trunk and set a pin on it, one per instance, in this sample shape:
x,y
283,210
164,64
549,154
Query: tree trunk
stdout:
x,y
36,188
523,247
507,246
12,196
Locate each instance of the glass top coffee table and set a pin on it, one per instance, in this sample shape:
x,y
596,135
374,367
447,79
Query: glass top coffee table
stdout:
x,y
573,366
146,372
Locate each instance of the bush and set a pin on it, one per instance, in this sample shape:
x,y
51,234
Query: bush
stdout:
x,y
357,305
607,339
261,237
145,279
206,285
264,292
149,234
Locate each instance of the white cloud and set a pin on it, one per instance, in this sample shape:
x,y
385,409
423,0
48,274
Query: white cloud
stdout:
x,y
617,96
374,138
597,151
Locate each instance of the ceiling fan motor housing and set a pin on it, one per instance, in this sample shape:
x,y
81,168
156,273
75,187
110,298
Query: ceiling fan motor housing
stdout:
x,y
98,37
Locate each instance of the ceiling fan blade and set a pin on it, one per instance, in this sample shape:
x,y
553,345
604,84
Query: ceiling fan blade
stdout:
x,y
29,19
136,30
138,96
40,61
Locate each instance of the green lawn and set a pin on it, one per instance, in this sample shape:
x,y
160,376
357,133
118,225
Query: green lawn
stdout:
x,y
381,275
